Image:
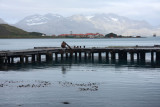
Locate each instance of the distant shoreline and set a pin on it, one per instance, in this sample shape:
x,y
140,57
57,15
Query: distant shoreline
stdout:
x,y
69,38
63,38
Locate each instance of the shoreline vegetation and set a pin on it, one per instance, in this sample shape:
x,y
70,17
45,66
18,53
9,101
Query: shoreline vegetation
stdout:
x,y
11,32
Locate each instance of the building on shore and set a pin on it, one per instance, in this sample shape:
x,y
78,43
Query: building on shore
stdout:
x,y
87,35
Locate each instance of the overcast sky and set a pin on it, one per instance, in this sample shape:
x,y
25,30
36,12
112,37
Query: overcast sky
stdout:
x,y
14,10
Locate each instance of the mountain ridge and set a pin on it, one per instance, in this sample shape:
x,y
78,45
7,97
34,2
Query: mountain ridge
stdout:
x,y
102,23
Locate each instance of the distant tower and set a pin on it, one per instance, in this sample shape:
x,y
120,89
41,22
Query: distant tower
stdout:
x,y
154,35
71,33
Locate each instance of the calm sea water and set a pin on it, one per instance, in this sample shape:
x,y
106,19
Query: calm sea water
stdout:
x,y
79,83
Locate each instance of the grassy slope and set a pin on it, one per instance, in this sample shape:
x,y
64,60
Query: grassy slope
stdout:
x,y
7,31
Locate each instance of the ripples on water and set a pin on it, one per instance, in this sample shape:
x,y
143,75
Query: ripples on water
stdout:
x,y
80,83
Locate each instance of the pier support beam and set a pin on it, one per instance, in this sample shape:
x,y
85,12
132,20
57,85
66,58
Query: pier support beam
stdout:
x,y
85,55
75,55
125,55
62,56
89,55
122,55
138,57
5,60
66,55
158,57
56,56
71,55
113,55
142,56
132,56
100,55
152,56
26,58
33,58
49,56
9,60
21,59
1,60
12,60
92,55
80,54
39,57
107,56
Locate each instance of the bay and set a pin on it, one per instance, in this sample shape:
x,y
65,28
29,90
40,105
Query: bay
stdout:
x,y
81,83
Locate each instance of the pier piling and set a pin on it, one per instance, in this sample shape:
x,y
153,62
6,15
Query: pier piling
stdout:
x,y
132,56
49,56
12,60
56,56
80,55
39,57
1,60
152,56
100,55
9,59
62,56
142,56
158,57
107,55
75,55
85,55
89,55
138,57
33,58
26,59
66,55
21,59
92,55
71,55
113,55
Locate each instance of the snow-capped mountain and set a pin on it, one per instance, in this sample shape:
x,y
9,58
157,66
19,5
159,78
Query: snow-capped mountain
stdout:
x,y
102,23
112,23
2,21
54,24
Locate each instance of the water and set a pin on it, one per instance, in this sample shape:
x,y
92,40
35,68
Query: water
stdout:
x,y
13,44
79,83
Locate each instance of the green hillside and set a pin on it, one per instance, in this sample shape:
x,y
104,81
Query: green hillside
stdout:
x,y
7,31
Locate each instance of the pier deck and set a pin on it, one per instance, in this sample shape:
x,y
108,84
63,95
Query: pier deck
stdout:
x,y
110,53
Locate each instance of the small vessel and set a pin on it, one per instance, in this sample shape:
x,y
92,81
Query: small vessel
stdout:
x,y
154,35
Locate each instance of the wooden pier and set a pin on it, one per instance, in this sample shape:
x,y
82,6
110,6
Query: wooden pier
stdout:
x,y
77,52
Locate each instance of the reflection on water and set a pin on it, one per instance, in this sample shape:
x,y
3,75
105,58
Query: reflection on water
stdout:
x,y
68,63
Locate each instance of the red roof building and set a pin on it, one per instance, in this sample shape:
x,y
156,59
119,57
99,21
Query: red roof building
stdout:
x,y
87,35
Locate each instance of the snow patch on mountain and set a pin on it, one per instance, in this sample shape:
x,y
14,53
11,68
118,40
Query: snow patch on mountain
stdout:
x,y
36,20
31,24
89,17
114,19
